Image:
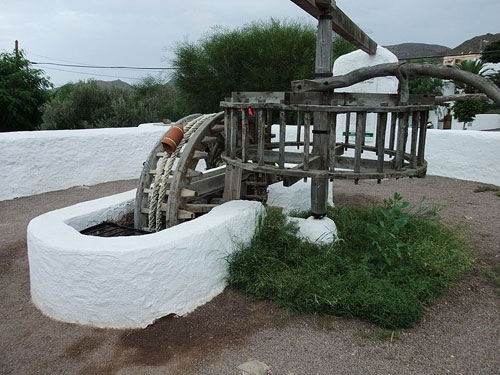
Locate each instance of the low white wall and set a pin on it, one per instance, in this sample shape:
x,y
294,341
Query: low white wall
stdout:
x,y
466,155
481,122
40,161
129,282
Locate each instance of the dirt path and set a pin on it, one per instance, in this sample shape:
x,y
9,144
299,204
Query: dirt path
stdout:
x,y
460,332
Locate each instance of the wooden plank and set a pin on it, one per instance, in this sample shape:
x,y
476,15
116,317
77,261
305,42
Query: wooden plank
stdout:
x,y
401,145
342,24
415,120
422,135
185,215
328,108
281,160
261,133
324,39
244,136
347,128
259,96
307,136
392,135
208,140
360,134
232,184
269,121
381,127
185,193
227,130
299,126
200,155
314,163
332,121
234,133
200,208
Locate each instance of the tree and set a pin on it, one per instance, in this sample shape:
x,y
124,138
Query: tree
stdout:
x,y
472,66
466,111
491,53
23,90
86,105
260,56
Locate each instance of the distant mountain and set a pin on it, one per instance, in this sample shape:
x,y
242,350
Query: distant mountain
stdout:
x,y
476,44
414,50
116,83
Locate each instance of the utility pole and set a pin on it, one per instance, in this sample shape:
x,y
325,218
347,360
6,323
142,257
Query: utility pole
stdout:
x,y
16,47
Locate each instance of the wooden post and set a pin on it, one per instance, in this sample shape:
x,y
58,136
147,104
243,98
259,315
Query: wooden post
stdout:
x,y
323,68
381,126
421,139
332,123
244,136
347,128
232,182
360,134
392,135
401,145
261,134
307,134
282,140
415,120
299,125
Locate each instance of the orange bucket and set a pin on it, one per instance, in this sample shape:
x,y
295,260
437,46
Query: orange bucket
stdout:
x,y
172,138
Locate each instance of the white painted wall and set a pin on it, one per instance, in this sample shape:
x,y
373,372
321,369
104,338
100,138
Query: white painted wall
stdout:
x,y
481,122
40,161
129,282
466,155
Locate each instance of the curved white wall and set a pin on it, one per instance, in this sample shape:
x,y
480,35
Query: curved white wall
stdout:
x,y
129,282
40,161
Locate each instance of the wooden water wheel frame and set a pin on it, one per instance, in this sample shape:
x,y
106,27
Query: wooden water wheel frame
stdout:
x,y
188,190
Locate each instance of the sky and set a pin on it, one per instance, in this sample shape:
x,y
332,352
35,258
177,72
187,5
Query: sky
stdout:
x,y
145,32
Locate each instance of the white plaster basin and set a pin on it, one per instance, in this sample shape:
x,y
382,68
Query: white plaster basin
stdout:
x,y
129,282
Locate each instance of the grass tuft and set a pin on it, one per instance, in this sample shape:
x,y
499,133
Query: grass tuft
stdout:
x,y
385,268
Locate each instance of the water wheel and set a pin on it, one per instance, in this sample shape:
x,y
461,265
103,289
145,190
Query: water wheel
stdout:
x,y
189,190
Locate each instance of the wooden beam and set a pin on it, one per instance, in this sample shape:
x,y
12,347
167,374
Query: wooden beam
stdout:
x,y
394,69
341,24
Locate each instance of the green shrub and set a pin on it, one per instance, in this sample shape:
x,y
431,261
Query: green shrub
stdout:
x,y
262,56
86,105
23,90
353,276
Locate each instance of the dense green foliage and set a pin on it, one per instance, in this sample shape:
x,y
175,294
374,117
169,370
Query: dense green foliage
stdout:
x,y
425,85
385,266
23,90
86,105
466,111
492,54
261,56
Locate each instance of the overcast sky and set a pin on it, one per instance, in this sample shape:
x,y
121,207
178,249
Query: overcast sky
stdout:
x,y
143,33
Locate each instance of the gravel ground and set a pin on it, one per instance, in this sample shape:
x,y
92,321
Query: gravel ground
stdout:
x,y
459,333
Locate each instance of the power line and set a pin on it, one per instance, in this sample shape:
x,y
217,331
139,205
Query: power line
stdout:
x,y
104,67
52,58
91,74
